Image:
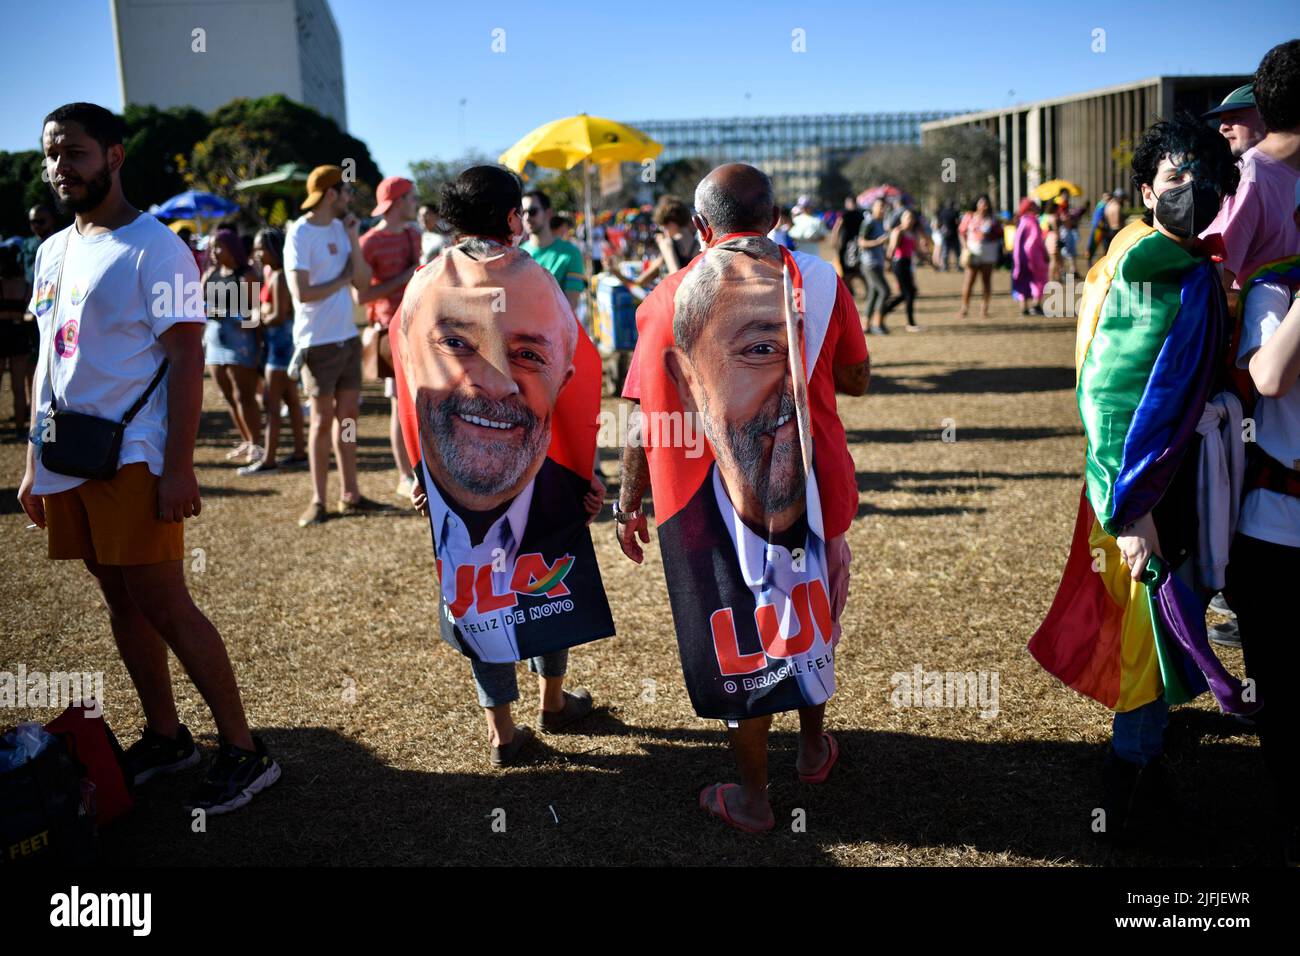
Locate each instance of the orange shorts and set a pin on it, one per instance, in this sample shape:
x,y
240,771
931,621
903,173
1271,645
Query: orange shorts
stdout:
x,y
113,522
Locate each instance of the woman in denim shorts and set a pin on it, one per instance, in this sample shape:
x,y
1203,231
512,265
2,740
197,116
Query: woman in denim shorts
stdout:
x,y
275,314
230,347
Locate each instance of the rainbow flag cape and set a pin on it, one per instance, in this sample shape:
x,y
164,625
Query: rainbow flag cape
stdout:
x,y
1150,335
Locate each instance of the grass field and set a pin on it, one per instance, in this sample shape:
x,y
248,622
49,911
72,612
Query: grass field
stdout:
x,y
958,548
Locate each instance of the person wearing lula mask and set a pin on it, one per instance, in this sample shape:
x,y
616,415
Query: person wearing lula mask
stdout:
x,y
1152,326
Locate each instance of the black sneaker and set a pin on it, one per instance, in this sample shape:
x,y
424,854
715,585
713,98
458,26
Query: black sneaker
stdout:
x,y
1226,633
153,754
234,776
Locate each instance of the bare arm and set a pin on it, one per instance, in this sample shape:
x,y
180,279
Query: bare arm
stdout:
x,y
386,288
302,290
634,478
178,488
360,268
1275,366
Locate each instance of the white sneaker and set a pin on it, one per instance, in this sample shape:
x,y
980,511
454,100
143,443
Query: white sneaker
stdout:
x,y
1217,603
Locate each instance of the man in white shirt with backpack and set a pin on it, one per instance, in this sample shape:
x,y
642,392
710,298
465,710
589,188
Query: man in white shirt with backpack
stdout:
x,y
121,348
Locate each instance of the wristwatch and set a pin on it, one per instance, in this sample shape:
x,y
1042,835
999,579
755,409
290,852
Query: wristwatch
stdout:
x,y
625,517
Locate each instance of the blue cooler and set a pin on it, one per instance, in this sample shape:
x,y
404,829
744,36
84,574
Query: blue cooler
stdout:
x,y
615,316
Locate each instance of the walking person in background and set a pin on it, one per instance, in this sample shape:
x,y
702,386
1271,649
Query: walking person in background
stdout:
x,y
872,238
903,242
322,259
676,241
981,232
230,340
1029,260
1094,226
1067,230
275,319
780,233
1112,221
392,250
950,248
15,343
1052,246
845,237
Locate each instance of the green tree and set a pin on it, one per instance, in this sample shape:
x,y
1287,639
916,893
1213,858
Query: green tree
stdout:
x,y
158,145
253,136
430,175
960,163
898,165
679,177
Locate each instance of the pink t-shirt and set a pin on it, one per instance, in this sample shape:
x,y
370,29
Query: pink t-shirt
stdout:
x,y
1257,222
905,246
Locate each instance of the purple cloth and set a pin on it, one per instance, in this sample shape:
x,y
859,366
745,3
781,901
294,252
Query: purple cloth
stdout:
x,y
1029,263
1184,619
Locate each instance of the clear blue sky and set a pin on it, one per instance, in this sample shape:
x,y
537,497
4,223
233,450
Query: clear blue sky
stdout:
x,y
408,63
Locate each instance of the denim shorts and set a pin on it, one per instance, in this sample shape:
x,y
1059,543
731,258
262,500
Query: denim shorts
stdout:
x,y
227,342
496,684
279,345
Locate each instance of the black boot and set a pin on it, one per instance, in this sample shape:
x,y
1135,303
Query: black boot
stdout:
x,y
1119,782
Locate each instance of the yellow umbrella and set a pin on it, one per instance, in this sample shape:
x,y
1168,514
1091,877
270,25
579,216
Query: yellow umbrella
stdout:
x,y
563,143
1049,189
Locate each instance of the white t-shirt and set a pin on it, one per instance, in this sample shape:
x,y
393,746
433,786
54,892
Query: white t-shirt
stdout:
x,y
1268,515
321,251
119,292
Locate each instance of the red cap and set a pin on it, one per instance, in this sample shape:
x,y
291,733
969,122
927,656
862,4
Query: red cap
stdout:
x,y
390,190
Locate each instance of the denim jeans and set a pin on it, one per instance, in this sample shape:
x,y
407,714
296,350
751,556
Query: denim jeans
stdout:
x,y
496,684
1138,736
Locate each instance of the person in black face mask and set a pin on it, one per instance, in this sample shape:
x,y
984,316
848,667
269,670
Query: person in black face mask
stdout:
x,y
1127,627
1182,170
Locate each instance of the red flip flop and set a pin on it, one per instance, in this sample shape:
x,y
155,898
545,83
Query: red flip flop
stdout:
x,y
720,789
825,770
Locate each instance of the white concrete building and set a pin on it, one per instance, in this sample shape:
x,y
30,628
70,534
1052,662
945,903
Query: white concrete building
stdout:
x,y
205,53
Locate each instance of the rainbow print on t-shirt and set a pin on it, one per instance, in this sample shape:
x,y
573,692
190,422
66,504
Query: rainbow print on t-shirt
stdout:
x,y
44,297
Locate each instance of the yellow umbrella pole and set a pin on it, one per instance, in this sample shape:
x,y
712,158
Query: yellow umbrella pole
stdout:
x,y
591,248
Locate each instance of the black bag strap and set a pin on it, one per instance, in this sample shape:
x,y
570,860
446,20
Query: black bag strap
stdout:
x,y
139,402
54,332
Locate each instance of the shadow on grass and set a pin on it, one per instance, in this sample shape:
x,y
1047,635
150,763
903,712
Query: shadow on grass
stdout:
x,y
627,795
905,436
1011,380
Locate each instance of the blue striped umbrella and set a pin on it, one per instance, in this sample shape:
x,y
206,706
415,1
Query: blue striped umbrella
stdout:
x,y
193,204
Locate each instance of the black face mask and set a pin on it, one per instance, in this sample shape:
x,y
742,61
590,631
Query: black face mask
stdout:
x,y
1187,210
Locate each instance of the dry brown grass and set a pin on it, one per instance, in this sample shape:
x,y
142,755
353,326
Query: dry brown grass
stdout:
x,y
958,549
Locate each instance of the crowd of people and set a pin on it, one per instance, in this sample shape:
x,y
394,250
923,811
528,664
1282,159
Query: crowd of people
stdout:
x,y
494,388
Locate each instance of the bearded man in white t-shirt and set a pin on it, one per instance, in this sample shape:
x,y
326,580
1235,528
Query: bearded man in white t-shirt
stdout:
x,y
323,262
119,327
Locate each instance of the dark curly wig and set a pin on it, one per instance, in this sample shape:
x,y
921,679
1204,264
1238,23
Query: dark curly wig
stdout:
x,y
1195,145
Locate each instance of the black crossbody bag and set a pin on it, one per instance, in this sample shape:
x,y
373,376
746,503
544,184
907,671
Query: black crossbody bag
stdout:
x,y
76,444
